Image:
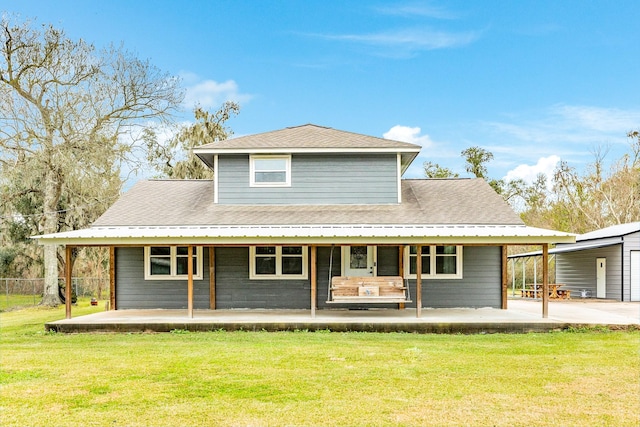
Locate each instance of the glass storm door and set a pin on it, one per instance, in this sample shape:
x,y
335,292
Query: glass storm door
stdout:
x,y
358,261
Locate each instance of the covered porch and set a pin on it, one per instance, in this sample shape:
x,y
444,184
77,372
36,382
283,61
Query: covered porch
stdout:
x,y
314,239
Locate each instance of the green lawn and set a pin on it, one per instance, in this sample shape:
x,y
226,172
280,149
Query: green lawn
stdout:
x,y
14,301
305,378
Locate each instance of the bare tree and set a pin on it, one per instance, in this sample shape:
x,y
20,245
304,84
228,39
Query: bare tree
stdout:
x,y
64,107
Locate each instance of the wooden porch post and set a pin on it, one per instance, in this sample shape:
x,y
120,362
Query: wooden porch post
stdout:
x,y
112,278
545,280
190,281
504,277
314,280
212,278
401,269
68,270
419,281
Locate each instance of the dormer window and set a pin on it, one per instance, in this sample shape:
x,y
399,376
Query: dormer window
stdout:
x,y
270,171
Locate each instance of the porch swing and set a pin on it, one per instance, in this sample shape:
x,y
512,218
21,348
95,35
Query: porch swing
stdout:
x,y
366,290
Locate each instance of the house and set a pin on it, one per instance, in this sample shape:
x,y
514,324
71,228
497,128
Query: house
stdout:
x,y
308,217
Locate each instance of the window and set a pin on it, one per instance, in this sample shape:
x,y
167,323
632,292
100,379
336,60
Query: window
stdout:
x,y
438,262
171,262
278,262
270,171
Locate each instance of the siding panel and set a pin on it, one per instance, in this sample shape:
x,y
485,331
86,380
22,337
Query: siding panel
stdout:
x,y
134,292
235,290
577,270
315,179
479,287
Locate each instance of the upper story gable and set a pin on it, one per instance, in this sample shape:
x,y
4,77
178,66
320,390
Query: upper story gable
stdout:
x,y
308,164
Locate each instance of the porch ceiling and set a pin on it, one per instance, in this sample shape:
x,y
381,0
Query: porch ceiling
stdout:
x,y
309,235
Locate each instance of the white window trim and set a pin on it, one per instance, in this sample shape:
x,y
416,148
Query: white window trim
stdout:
x,y
174,250
278,256
252,171
432,260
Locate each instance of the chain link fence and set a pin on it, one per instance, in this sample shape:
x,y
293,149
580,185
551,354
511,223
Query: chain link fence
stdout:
x,y
28,292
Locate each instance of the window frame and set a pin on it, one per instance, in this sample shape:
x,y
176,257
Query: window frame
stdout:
x,y
433,255
278,256
173,257
253,170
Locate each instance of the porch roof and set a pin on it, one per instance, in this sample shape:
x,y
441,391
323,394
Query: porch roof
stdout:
x,y
391,234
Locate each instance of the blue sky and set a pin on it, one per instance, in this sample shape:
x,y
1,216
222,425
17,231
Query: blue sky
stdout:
x,y
531,81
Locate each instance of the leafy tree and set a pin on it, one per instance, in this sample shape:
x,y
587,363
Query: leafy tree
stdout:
x,y
434,170
169,158
476,159
64,109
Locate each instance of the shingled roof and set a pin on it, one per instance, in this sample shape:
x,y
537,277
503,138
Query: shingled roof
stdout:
x,y
308,138
426,201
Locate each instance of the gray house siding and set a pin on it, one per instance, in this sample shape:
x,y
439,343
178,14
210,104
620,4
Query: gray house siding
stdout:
x,y
479,287
134,292
577,270
235,290
315,179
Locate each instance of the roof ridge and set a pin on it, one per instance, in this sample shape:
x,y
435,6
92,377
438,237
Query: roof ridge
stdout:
x,y
308,124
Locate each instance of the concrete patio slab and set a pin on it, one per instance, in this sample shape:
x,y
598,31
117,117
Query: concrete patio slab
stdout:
x,y
520,317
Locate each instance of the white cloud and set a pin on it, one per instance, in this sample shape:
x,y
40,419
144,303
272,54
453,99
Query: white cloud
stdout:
x,y
572,132
571,124
529,173
417,10
409,39
211,94
598,119
408,134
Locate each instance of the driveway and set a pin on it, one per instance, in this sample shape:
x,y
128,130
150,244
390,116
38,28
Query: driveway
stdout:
x,y
596,312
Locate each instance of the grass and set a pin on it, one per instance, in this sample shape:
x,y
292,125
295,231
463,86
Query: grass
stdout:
x,y
15,301
313,378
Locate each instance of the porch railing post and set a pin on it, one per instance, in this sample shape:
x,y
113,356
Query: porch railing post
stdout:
x,y
401,269
67,281
212,277
419,281
314,280
112,278
190,281
505,279
545,280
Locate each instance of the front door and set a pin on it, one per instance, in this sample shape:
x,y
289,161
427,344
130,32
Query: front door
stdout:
x,y
601,277
358,261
